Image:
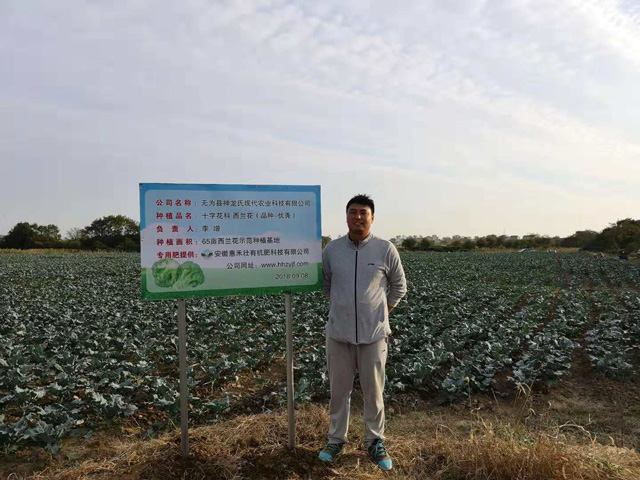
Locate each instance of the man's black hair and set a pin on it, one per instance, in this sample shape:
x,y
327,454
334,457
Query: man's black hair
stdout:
x,y
362,199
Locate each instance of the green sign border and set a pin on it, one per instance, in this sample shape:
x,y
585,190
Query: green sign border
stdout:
x,y
147,295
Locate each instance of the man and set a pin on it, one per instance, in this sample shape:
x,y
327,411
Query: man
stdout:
x,y
364,280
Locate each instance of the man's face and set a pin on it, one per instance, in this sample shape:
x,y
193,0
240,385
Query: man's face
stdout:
x,y
359,219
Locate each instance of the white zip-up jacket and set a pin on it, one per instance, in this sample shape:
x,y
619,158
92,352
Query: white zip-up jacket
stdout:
x,y
361,279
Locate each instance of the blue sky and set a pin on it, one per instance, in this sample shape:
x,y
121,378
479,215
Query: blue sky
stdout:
x,y
470,117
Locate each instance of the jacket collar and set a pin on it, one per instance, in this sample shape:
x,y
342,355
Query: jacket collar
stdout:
x,y
358,245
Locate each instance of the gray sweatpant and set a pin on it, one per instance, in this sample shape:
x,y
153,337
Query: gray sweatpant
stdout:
x,y
344,360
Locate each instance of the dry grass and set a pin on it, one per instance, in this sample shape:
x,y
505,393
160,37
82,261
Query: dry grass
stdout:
x,y
254,447
502,453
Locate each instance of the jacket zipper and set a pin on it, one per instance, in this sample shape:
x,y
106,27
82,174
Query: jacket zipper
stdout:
x,y
355,293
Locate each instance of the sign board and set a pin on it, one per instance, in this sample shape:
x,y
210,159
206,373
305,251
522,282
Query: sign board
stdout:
x,y
205,240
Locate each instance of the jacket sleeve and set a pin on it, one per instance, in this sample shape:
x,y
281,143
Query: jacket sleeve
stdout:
x,y
326,274
395,277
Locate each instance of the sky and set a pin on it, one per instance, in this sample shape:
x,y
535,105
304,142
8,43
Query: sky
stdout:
x,y
469,117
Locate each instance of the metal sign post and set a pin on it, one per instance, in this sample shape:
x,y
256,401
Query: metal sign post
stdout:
x,y
184,413
290,410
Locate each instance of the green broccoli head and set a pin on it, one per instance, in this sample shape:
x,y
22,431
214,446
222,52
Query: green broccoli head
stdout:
x,y
190,275
165,272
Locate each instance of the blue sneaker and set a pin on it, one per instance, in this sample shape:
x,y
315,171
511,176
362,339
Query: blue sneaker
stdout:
x,y
378,454
330,452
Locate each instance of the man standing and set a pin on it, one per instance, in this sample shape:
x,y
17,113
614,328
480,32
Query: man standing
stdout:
x,y
364,280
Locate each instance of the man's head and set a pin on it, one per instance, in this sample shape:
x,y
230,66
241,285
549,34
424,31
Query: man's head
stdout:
x,y
360,211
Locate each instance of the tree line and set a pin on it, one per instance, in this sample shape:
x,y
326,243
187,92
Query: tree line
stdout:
x,y
118,232
623,235
113,232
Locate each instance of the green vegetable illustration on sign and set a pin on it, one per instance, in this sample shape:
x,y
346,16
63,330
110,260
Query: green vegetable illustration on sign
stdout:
x,y
169,273
189,275
165,272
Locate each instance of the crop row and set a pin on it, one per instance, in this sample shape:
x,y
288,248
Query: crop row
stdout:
x,y
78,346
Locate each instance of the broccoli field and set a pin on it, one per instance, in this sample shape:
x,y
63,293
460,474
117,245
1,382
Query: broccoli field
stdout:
x,y
79,349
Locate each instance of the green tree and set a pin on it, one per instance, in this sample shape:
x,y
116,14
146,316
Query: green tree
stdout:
x,y
31,235
22,235
424,244
530,240
512,242
114,232
409,243
543,241
468,244
579,239
622,235
492,241
48,235
325,240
